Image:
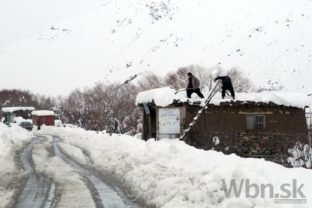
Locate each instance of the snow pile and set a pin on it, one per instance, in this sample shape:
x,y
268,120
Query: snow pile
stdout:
x,y
42,113
19,120
13,109
161,96
11,139
298,100
166,96
169,173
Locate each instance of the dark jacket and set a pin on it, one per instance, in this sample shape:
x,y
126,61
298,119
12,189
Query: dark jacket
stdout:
x,y
194,83
226,81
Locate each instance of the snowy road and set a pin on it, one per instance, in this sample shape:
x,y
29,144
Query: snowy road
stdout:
x,y
79,168
38,190
56,179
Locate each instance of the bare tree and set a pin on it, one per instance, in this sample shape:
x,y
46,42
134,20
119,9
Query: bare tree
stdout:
x,y
206,76
10,98
240,82
150,81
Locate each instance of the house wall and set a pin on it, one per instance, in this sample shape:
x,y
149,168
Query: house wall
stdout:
x,y
149,123
43,120
284,126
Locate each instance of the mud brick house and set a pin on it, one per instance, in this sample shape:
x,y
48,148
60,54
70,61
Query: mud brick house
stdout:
x,y
261,125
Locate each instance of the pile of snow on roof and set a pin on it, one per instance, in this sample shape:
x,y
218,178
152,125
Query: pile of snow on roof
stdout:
x,y
42,113
166,96
161,96
13,109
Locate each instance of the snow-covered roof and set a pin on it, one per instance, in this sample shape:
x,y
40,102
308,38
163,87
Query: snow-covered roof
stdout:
x,y
42,113
166,96
13,109
161,96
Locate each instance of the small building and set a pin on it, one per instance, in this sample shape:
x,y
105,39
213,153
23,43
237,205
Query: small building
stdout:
x,y
10,113
43,117
261,125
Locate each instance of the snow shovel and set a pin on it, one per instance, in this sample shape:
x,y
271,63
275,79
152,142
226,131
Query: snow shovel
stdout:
x,y
180,90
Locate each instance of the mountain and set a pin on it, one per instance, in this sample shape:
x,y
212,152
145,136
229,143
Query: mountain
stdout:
x,y
269,40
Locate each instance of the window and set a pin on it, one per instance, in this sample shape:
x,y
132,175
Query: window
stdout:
x,y
255,122
259,123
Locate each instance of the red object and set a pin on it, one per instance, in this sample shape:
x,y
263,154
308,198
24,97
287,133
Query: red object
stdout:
x,y
43,120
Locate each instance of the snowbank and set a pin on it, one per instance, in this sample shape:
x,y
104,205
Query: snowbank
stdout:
x,y
11,139
169,173
19,119
166,96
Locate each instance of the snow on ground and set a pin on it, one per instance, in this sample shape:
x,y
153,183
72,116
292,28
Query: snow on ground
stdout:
x,y
64,176
169,173
19,119
75,152
11,139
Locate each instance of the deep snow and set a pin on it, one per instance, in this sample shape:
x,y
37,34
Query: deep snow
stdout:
x,y
11,140
169,173
165,173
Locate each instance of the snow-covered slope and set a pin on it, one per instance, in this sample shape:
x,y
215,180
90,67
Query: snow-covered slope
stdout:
x,y
269,40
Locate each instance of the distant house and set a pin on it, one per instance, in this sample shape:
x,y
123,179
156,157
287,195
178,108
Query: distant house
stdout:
x,y
43,117
10,113
262,125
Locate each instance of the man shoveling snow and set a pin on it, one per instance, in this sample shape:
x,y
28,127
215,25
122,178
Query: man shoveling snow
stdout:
x,y
193,86
226,85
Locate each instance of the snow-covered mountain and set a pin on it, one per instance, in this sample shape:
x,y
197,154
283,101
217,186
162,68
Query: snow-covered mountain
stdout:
x,y
269,40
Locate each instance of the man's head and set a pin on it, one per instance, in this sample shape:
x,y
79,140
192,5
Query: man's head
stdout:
x,y
189,74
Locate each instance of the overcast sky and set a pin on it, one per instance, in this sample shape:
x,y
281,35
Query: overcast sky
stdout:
x,y
19,19
22,19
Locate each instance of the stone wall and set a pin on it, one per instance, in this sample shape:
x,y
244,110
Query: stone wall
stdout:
x,y
227,124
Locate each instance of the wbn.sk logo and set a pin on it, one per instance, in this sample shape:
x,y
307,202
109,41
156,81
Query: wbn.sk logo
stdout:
x,y
289,193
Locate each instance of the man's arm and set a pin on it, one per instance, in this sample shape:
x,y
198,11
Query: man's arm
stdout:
x,y
220,77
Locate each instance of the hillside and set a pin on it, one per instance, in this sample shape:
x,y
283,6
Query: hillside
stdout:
x,y
269,41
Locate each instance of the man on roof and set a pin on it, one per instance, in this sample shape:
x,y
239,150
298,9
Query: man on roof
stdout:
x,y
226,85
193,86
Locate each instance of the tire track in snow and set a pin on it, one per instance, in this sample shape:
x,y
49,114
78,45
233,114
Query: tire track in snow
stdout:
x,y
104,195
38,190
